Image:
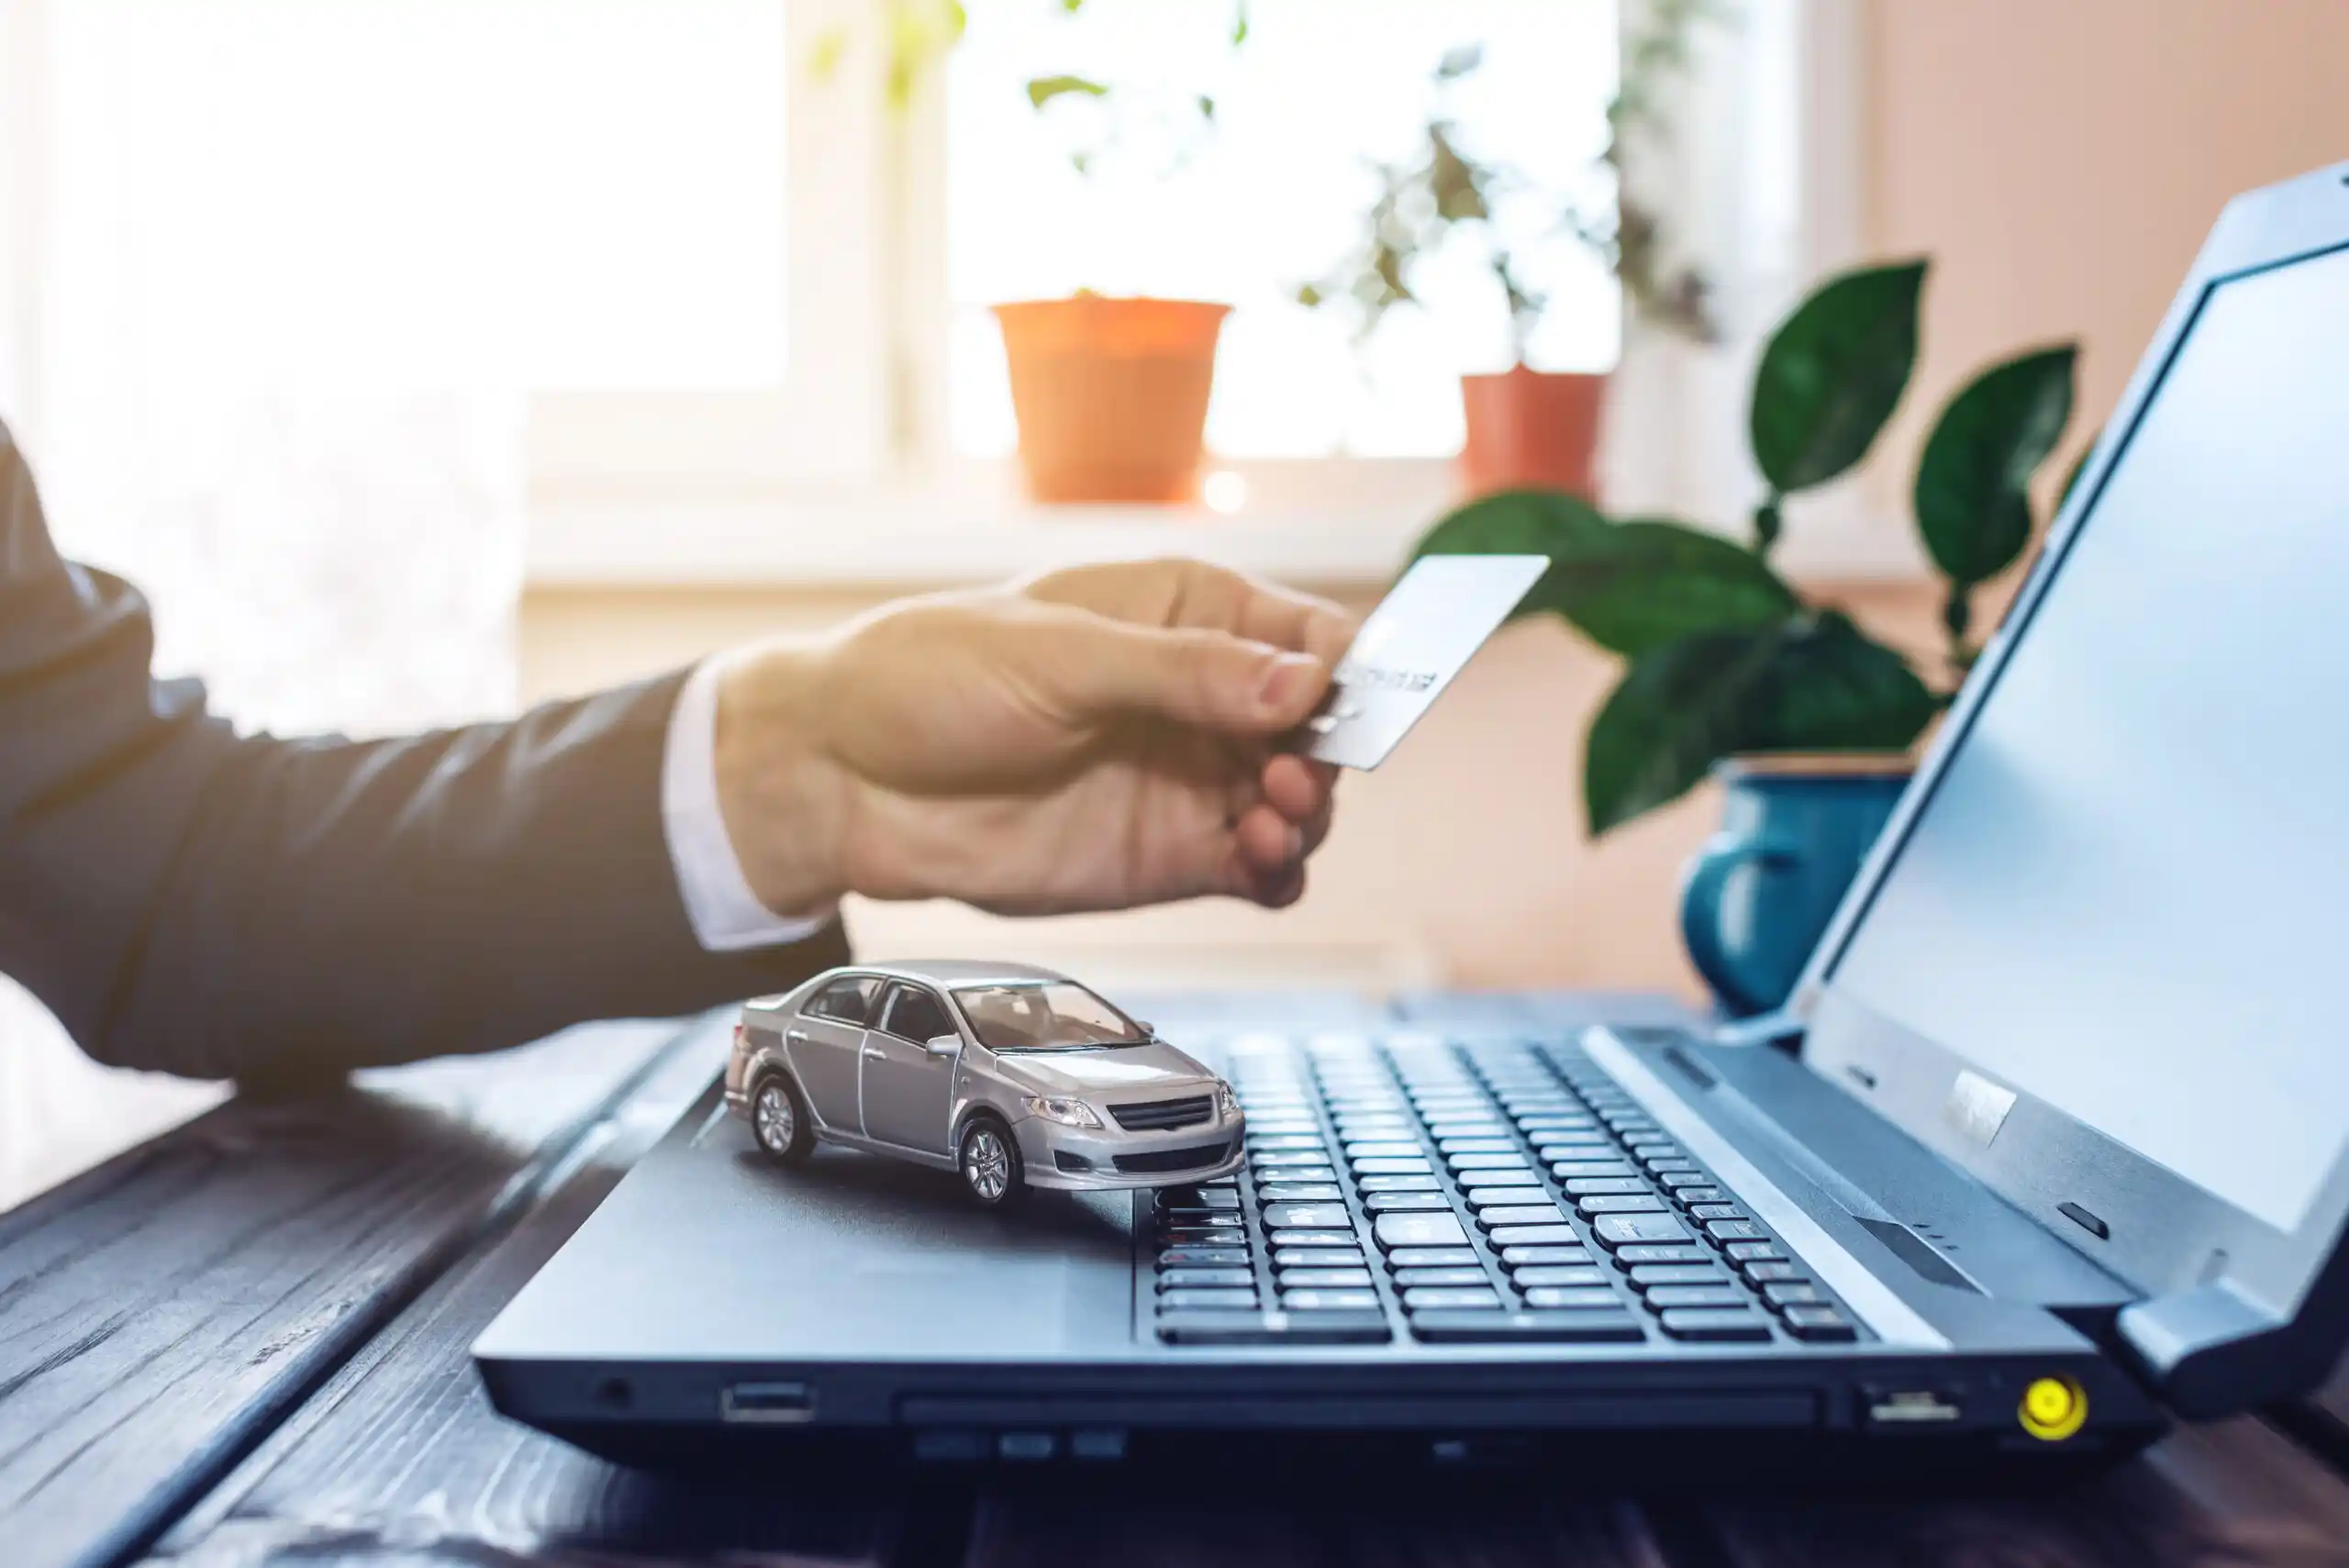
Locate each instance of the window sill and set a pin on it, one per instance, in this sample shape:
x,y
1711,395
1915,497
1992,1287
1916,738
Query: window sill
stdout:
x,y
1350,536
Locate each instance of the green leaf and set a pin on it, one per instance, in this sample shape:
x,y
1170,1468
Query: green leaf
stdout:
x,y
1519,522
1833,688
1679,709
1648,582
1044,89
1628,586
1805,686
1973,479
1833,374
1239,23
1206,106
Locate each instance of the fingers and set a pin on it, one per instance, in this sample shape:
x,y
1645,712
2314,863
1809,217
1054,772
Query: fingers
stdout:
x,y
1095,668
1179,592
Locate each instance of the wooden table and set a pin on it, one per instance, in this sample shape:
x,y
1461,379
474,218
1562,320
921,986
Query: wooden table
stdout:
x,y
244,1344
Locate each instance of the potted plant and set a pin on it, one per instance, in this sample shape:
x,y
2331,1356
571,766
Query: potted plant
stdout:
x,y
1111,393
1525,427
1723,658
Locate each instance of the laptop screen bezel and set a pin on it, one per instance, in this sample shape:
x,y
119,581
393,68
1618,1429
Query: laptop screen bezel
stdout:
x,y
2161,1234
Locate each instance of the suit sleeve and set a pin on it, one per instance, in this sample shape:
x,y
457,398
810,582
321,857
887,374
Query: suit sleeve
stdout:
x,y
218,906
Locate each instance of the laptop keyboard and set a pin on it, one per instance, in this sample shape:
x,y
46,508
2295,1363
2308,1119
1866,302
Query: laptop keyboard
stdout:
x,y
1514,1194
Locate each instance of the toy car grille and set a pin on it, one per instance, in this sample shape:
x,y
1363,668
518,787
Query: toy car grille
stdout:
x,y
1160,1115
1196,1156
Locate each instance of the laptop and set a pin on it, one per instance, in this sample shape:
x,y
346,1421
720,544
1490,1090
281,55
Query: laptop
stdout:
x,y
2050,1146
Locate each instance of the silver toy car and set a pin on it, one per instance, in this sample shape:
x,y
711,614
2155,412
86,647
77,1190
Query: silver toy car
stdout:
x,y
1016,1076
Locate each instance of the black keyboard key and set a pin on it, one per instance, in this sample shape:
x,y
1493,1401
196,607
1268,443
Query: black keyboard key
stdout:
x,y
1794,1296
1520,1214
1776,1273
1630,1257
1715,1211
1273,1158
1672,1165
1395,1231
1186,1279
1684,1181
1450,1298
1430,1257
1520,1178
1693,1195
1385,1149
1612,1326
1340,1238
1755,1252
1200,1236
1819,1323
1287,1258
1647,1275
1306,1216
1420,1184
1477,1145
1549,1274
1319,1300
1207,1300
1666,1295
1478,1199
1541,1256
1407,1278
1198,1197
1301,1191
1405,1203
1202,1257
1735,1231
1417,1167
1605,1203
1290,1328
1472,1167
1328,1279
1617,1230
1716,1323
1603,1186
1507,1236
1575,1169
1296,1174
1569,1297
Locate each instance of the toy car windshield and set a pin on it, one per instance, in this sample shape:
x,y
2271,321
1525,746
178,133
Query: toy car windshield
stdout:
x,y
1049,1016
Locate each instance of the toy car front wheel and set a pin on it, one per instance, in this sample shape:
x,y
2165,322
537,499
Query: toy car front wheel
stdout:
x,y
988,1157
779,1120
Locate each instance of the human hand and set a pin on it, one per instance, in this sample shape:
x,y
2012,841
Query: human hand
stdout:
x,y
1093,738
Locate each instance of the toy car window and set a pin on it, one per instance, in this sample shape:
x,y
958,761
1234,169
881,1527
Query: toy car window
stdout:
x,y
848,1001
916,1015
1060,1016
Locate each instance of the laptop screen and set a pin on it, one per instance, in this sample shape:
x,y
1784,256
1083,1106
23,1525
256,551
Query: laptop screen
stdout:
x,y
2128,894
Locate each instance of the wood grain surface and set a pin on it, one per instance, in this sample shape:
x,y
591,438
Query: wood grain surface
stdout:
x,y
400,1458
161,1312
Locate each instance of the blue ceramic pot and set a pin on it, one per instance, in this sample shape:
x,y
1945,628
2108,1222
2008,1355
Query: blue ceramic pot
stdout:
x,y
1756,898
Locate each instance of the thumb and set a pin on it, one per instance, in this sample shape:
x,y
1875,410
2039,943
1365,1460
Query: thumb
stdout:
x,y
1193,676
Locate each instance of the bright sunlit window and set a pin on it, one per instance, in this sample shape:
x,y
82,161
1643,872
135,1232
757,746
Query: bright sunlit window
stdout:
x,y
1269,193
540,194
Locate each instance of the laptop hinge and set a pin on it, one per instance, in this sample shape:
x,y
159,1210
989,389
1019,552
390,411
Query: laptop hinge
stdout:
x,y
1781,1030
2210,1351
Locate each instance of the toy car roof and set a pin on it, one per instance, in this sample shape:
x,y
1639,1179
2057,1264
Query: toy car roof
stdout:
x,y
941,971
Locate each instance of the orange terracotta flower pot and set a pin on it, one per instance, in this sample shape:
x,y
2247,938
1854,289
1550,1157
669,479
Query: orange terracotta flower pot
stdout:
x,y
1532,430
1111,395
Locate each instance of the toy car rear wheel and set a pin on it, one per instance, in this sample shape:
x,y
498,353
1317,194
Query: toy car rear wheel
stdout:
x,y
988,1157
779,1120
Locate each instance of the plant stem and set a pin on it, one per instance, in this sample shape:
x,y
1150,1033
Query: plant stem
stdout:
x,y
1766,524
1957,618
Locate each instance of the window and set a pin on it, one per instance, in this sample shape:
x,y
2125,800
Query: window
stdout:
x,y
918,1015
1043,1018
846,1001
1270,198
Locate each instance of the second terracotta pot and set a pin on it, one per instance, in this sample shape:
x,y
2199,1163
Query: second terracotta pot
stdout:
x,y
1111,395
1532,430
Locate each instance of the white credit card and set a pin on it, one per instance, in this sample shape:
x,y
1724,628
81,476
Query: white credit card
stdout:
x,y
1429,625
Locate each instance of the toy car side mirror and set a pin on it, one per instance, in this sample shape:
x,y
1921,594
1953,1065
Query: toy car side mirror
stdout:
x,y
943,1045
1146,1026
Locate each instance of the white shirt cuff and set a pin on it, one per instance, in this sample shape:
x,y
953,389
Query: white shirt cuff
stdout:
x,y
726,916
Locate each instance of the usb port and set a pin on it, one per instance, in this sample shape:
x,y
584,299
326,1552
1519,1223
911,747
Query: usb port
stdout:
x,y
1912,1408
772,1402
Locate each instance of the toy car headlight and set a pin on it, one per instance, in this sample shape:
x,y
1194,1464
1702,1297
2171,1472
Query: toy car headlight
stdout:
x,y
1062,1109
1227,1104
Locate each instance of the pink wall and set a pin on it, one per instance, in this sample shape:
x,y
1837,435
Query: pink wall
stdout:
x,y
2061,161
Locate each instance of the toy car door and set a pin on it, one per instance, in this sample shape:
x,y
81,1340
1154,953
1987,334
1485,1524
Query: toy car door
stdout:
x,y
823,1041
909,1087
